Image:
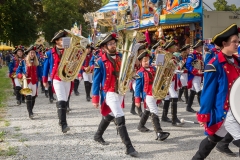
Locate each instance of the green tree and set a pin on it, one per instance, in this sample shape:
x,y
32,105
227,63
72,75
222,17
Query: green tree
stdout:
x,y
221,5
104,2
18,23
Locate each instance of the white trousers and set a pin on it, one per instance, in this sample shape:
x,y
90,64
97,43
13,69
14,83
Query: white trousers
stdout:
x,y
17,83
62,89
152,104
114,101
172,92
196,83
33,87
184,79
87,77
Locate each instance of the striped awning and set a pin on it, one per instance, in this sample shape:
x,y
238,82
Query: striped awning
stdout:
x,y
111,6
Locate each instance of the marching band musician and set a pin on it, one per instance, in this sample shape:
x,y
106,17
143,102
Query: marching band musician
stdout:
x,y
220,73
62,88
170,47
185,50
144,81
40,55
106,74
87,73
137,66
29,69
13,65
194,75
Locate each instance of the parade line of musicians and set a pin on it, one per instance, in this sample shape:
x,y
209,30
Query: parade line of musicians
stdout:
x,y
100,72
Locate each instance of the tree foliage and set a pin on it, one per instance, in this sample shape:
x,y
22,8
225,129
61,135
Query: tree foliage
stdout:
x,y
222,5
22,21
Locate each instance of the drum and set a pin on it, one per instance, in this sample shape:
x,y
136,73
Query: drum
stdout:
x,y
234,99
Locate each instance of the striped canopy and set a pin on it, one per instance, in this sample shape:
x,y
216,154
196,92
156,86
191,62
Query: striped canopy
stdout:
x,y
111,6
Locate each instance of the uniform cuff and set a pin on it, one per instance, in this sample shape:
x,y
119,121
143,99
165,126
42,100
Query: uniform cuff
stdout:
x,y
137,99
19,76
45,79
203,117
195,71
95,99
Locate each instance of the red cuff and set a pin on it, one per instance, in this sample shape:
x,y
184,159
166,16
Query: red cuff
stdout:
x,y
45,79
95,99
14,69
137,99
195,71
19,76
79,75
203,117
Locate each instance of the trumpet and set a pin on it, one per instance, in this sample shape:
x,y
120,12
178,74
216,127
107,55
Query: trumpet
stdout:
x,y
13,75
25,90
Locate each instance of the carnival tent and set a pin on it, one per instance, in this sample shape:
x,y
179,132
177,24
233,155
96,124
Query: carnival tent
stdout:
x,y
111,6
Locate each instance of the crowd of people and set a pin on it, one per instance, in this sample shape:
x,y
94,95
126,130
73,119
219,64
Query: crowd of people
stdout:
x,y
38,66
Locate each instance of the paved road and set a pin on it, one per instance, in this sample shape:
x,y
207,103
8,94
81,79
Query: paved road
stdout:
x,y
42,138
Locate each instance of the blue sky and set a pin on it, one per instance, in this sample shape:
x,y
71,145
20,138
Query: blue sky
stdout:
x,y
210,3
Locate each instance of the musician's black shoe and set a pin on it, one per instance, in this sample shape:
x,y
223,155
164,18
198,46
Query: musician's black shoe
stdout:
x,y
166,119
46,93
51,100
162,136
226,151
18,102
176,122
68,109
65,128
76,93
190,110
88,98
132,152
100,140
31,115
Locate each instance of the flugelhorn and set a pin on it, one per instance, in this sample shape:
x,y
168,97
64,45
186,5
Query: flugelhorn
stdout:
x,y
25,90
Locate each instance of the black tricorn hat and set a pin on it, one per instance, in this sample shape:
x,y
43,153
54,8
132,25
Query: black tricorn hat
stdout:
x,y
142,46
98,43
109,37
225,34
185,47
169,44
145,53
18,48
32,47
198,44
58,35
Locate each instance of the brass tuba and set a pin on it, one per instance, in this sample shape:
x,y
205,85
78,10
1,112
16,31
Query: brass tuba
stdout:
x,y
198,64
72,59
128,40
163,76
25,90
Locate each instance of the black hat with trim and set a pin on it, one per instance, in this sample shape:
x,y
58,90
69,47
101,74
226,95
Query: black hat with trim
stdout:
x,y
198,44
18,48
98,43
58,35
169,44
225,34
142,46
145,53
185,47
109,37
32,47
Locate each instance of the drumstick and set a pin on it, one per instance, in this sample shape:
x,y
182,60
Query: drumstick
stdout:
x,y
183,121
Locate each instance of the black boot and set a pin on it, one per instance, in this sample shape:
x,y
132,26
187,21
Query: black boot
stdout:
x,y
46,93
14,91
206,147
180,92
139,110
50,92
23,98
223,146
42,87
165,111
133,105
68,108
101,129
62,110
175,120
120,121
90,87
237,143
86,84
161,136
76,84
29,106
199,96
190,102
143,120
33,103
18,95
185,90
59,122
